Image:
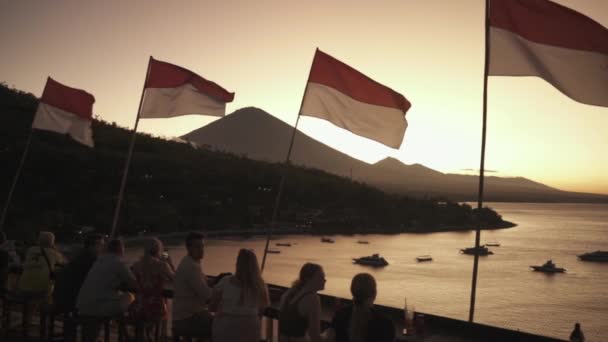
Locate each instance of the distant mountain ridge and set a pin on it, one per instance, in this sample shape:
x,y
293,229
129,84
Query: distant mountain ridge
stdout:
x,y
260,136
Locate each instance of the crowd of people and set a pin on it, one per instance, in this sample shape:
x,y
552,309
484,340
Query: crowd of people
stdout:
x,y
97,282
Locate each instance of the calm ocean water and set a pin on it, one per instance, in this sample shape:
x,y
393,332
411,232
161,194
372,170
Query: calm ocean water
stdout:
x,y
509,294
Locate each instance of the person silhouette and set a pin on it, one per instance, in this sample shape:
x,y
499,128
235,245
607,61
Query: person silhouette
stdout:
x,y
577,334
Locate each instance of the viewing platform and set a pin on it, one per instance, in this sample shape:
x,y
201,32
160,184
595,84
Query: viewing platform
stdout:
x,y
425,326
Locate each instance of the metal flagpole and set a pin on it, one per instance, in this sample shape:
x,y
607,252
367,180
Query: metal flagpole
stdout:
x,y
481,166
15,180
277,201
125,173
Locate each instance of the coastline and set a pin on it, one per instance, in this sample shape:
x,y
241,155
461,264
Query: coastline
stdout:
x,y
246,234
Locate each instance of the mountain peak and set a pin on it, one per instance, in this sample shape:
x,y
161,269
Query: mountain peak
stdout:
x,y
251,111
389,161
394,164
258,135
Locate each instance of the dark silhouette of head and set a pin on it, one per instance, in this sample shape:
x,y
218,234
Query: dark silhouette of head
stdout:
x,y
116,247
311,275
363,288
153,247
94,243
195,245
46,239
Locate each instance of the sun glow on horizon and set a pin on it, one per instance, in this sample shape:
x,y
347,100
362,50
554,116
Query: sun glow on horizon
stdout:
x,y
431,52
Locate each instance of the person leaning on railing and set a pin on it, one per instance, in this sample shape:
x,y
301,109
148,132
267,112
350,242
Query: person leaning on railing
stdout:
x,y
239,301
191,316
360,322
299,319
101,293
577,334
152,271
39,268
70,278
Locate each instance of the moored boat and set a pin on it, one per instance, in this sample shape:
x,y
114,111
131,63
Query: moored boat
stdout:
x,y
363,242
601,256
284,244
327,240
374,260
492,244
423,258
548,267
274,251
481,250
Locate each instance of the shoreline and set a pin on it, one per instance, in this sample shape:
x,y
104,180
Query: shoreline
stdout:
x,y
248,234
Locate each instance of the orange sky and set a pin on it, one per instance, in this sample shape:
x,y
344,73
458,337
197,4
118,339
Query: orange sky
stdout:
x,y
431,51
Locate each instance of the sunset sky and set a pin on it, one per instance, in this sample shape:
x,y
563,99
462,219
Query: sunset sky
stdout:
x,y
431,51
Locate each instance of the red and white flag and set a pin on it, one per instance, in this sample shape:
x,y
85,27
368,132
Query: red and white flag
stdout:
x,y
350,100
66,110
544,39
171,90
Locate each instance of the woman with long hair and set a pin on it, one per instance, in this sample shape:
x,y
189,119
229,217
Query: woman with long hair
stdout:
x,y
239,301
301,307
360,322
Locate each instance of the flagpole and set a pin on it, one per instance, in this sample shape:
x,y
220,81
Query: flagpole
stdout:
x,y
125,173
277,200
15,180
482,162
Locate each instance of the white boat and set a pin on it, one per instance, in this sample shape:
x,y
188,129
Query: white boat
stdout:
x,y
481,250
549,267
423,258
601,256
375,260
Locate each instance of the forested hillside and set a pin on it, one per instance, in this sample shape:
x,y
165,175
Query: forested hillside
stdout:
x,y
173,186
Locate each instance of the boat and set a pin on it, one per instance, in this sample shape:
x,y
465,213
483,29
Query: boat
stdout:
x,y
327,240
548,267
423,258
492,244
274,251
284,244
375,260
481,250
595,256
363,242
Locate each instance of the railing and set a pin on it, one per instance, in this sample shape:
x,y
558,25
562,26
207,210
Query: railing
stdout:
x,y
424,323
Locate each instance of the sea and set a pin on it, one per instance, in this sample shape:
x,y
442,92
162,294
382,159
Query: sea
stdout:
x,y
509,293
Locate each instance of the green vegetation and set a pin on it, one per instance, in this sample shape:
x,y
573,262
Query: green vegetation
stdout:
x,y
173,186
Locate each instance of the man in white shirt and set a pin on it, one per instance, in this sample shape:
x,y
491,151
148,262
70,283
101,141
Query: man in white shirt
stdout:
x,y
191,292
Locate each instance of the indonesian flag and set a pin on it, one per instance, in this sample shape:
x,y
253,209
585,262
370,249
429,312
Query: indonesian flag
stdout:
x,y
66,110
171,90
350,100
544,39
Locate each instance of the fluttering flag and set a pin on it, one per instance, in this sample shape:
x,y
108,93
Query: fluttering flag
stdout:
x,y
171,90
66,110
544,39
348,99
